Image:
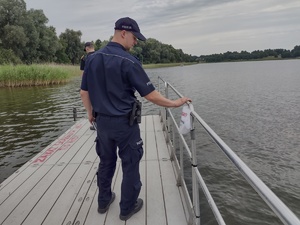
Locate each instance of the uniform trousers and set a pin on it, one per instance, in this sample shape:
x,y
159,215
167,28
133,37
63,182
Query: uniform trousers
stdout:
x,y
112,133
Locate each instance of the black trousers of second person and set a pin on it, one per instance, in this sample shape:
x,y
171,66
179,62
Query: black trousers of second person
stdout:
x,y
113,132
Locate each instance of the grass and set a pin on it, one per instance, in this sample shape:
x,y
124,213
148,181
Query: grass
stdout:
x,y
34,75
47,74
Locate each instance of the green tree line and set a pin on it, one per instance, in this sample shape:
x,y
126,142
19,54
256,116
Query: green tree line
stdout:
x,y
25,38
255,55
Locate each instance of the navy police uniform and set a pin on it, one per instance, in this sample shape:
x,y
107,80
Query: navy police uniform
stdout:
x,y
111,77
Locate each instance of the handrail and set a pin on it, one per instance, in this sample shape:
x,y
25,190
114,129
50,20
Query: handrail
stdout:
x,y
170,124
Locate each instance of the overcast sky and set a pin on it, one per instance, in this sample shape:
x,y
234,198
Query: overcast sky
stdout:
x,y
198,27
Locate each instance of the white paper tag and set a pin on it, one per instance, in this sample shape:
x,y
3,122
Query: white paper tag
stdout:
x,y
185,121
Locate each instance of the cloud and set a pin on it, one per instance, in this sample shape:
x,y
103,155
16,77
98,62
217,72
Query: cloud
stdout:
x,y
196,27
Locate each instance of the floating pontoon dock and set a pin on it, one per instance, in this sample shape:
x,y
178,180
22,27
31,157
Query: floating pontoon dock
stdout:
x,y
58,186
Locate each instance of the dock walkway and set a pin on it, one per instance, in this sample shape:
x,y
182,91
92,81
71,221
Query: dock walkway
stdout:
x,y
58,186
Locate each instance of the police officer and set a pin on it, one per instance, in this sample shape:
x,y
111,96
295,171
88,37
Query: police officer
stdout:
x,y
110,79
89,49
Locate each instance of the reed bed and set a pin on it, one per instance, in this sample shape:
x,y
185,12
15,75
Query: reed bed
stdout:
x,y
34,75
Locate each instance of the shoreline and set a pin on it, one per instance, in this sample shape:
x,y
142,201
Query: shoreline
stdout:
x,y
49,74
162,65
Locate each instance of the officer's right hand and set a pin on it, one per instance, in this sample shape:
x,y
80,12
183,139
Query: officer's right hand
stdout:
x,y
180,101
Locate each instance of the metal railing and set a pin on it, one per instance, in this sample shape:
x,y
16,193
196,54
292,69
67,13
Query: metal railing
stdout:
x,y
171,129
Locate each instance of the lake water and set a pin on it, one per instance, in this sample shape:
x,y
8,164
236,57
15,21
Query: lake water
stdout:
x,y
253,106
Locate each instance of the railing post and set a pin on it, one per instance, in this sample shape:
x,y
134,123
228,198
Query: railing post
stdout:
x,y
196,201
167,116
181,172
158,84
174,138
163,111
171,131
166,90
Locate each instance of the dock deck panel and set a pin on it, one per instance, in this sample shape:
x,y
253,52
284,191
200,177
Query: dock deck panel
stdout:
x,y
58,186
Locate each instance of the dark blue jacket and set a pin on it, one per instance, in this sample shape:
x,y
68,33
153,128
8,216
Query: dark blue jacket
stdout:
x,y
111,76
